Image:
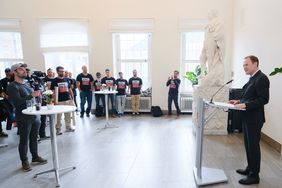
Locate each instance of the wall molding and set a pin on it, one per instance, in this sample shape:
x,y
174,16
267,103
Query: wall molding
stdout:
x,y
274,144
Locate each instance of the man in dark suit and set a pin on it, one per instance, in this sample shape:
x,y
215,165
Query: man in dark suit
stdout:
x,y
255,96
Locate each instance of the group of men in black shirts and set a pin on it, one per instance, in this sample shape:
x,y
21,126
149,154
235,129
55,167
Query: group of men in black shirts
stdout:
x,y
17,86
86,84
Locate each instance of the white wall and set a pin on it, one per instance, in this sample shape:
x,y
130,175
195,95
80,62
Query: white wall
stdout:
x,y
257,30
165,41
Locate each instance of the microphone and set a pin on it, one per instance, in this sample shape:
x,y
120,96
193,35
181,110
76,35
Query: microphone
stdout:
x,y
211,101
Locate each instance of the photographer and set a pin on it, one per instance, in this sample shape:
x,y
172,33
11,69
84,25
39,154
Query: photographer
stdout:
x,y
28,125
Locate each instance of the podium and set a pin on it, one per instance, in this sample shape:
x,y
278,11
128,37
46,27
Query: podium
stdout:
x,y
207,176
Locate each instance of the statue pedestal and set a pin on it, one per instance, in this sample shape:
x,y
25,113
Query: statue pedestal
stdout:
x,y
217,125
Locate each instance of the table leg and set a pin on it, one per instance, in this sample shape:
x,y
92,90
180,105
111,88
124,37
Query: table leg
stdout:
x,y
107,125
107,110
54,153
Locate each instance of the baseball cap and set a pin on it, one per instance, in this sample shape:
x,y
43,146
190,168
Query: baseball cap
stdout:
x,y
18,65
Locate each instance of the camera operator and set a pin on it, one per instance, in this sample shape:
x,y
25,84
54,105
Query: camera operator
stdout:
x,y
19,93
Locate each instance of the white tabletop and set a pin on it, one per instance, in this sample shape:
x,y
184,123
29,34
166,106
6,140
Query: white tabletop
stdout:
x,y
224,105
57,109
105,92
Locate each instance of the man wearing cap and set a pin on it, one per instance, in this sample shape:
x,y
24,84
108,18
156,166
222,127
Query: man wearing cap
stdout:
x,y
5,102
28,125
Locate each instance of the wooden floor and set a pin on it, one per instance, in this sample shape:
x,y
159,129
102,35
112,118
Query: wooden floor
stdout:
x,y
144,152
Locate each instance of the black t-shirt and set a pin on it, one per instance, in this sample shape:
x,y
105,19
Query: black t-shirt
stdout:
x,y
48,80
97,85
85,81
1,88
121,86
135,85
73,83
5,82
173,86
63,88
110,82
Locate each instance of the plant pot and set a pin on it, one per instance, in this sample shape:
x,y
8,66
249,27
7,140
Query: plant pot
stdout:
x,y
50,106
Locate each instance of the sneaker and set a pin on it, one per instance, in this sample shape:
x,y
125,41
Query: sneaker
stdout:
x,y
25,166
87,115
81,115
39,160
113,115
137,113
44,137
69,129
59,132
133,113
3,134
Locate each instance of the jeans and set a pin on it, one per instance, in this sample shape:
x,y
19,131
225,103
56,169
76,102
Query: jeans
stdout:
x,y
120,103
175,99
42,126
113,102
98,98
85,95
28,128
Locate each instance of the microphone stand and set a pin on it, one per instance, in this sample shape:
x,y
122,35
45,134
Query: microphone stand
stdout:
x,y
211,101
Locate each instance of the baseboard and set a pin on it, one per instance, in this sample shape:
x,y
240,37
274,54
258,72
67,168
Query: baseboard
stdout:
x,y
274,144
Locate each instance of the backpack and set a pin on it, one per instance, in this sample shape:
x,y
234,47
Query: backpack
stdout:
x,y
156,111
99,111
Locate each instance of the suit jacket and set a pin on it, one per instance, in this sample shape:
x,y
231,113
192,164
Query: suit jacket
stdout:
x,y
255,96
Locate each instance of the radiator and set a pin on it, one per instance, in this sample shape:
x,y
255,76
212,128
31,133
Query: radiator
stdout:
x,y
145,104
186,104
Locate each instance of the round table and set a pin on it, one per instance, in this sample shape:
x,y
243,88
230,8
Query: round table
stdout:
x,y
57,109
106,93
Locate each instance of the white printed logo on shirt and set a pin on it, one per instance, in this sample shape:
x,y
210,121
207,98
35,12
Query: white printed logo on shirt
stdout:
x,y
121,85
98,85
172,84
109,83
63,87
135,83
85,81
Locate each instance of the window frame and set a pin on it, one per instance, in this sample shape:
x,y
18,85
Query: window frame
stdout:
x,y
117,61
13,27
184,61
66,49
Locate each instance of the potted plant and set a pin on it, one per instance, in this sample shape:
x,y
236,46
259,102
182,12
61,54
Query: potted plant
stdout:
x,y
48,97
276,71
192,76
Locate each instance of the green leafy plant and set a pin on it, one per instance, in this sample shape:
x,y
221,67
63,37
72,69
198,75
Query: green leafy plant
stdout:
x,y
192,76
276,71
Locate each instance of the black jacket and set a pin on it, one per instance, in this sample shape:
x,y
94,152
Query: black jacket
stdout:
x,y
255,96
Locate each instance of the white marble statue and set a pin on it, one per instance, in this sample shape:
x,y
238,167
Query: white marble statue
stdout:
x,y
213,52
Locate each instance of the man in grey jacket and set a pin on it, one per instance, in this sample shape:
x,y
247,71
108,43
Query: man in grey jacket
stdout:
x,y
28,125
